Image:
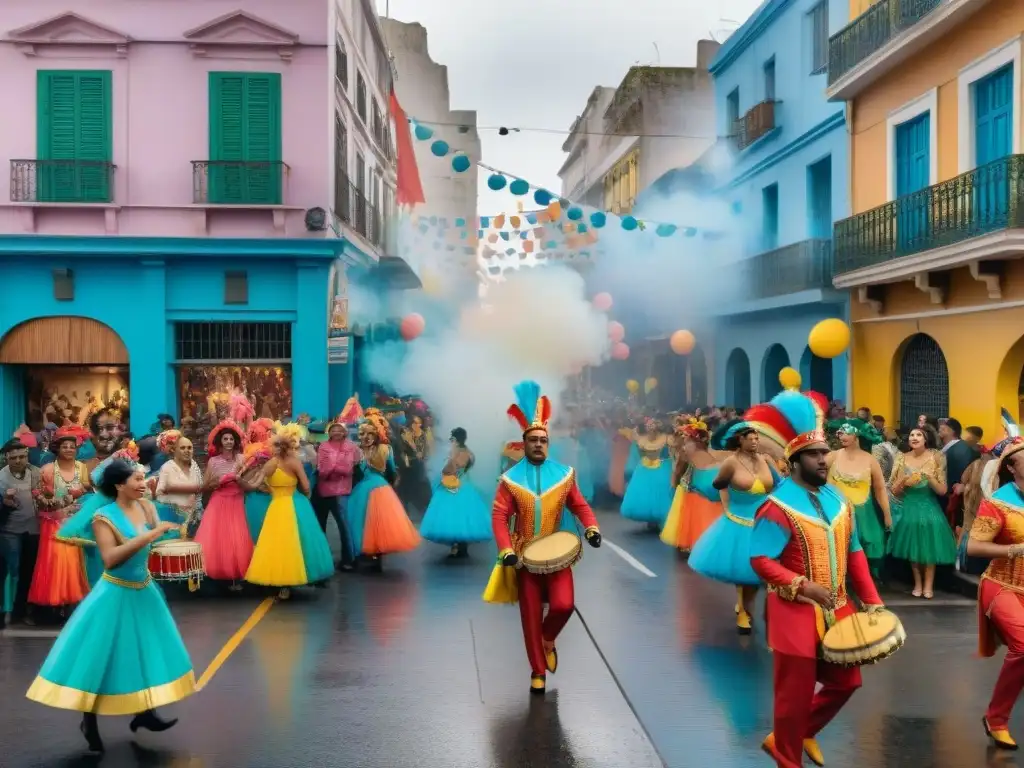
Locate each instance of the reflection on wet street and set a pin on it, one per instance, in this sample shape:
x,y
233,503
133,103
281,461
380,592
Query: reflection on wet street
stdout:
x,y
409,668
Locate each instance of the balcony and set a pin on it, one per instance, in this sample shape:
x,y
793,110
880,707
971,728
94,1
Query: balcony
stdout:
x,y
758,122
951,224
62,181
885,35
802,266
238,182
356,212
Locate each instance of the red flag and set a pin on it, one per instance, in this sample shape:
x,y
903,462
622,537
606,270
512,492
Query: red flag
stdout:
x,y
410,188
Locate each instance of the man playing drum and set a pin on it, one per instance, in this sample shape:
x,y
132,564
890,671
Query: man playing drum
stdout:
x,y
804,546
528,505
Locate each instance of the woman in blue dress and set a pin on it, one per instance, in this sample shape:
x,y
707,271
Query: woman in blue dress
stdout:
x,y
120,653
457,514
649,492
723,551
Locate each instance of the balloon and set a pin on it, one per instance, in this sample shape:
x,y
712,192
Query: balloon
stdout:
x,y
519,187
620,351
615,331
460,164
633,386
629,223
496,181
542,197
439,148
650,385
423,132
682,342
603,301
829,338
789,378
555,210
412,326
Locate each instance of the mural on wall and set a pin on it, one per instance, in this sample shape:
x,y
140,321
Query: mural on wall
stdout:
x,y
205,392
65,393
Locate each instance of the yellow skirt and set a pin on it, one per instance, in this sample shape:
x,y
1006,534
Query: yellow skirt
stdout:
x,y
277,559
673,524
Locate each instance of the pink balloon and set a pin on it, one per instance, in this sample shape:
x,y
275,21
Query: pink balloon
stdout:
x,y
616,332
620,351
603,301
412,326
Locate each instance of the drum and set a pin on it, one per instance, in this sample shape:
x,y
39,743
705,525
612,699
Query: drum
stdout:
x,y
863,638
177,561
552,553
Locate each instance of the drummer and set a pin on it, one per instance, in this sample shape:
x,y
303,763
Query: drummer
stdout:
x,y
807,595
538,484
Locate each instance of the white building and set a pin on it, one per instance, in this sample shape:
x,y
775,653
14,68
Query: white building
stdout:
x,y
659,118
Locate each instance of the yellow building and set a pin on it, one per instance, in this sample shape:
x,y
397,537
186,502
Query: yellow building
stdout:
x,y
932,253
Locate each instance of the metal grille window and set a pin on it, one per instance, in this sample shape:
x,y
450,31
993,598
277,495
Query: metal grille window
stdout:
x,y
924,381
236,343
342,206
377,125
818,24
341,64
361,97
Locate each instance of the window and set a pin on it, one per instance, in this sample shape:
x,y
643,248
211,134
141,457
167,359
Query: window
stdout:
x,y
818,29
769,79
377,125
360,173
359,197
245,138
384,72
361,97
236,287
63,285
732,112
819,198
233,343
73,141
341,63
770,220
342,199
621,185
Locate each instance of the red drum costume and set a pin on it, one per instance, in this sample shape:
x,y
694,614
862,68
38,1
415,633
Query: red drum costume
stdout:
x,y
806,536
529,502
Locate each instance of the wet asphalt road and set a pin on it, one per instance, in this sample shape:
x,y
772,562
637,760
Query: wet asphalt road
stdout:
x,y
410,668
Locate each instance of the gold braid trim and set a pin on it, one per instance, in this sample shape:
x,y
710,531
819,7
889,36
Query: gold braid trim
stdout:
x,y
790,591
985,529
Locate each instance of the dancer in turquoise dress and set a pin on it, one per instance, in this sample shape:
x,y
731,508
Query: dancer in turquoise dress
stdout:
x,y
648,496
457,514
120,652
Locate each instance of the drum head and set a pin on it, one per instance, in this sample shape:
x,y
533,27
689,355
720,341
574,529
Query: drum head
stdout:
x,y
177,548
861,630
551,547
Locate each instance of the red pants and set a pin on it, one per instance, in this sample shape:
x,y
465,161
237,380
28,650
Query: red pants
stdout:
x,y
555,589
800,713
1007,615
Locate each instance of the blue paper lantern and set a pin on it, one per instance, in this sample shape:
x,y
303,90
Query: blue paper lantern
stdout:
x,y
550,244
574,213
531,218
423,132
504,236
666,230
460,222
598,219
524,235
629,223
496,182
440,148
460,163
485,221
519,187
542,197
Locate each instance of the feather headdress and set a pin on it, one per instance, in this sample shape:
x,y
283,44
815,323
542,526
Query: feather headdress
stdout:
x,y
213,442
288,434
261,430
167,439
531,410
793,420
695,430
70,432
375,419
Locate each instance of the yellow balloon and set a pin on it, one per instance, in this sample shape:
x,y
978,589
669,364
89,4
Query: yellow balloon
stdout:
x,y
633,385
829,338
650,384
789,378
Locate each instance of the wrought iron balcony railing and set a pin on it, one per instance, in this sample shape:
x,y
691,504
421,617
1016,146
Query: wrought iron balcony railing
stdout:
x,y
756,123
238,182
987,199
802,266
62,181
352,208
870,31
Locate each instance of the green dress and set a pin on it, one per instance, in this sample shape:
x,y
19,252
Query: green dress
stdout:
x,y
868,517
922,535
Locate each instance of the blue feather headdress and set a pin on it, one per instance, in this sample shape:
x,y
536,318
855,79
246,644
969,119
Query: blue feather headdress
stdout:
x,y
532,410
794,420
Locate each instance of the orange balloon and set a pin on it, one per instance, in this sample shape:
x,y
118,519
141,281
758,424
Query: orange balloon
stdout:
x,y
682,342
513,222
528,246
555,210
498,221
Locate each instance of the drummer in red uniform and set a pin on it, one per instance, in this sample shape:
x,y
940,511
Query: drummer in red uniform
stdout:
x,y
804,546
528,505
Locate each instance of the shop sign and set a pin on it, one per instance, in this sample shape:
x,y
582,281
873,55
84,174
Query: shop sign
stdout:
x,y
338,343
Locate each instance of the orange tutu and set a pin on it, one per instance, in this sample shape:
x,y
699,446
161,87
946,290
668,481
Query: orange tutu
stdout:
x,y
59,575
388,528
621,446
696,515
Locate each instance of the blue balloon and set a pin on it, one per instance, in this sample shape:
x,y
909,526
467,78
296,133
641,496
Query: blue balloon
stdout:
x,y
542,197
551,244
460,222
629,223
524,235
666,230
460,163
440,148
531,218
598,219
581,227
485,221
423,132
496,181
519,187
574,213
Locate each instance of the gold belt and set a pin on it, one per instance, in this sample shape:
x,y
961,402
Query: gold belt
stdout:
x,y
745,522
129,584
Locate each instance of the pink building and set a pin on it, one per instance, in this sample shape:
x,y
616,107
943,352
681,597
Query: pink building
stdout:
x,y
168,228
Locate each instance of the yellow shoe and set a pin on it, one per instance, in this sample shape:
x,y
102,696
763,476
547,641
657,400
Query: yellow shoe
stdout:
x,y
813,752
768,745
551,657
537,684
743,625
1000,736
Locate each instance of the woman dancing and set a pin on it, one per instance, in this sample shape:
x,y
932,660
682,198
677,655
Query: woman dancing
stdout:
x,y
697,504
649,491
120,652
723,552
457,514
291,551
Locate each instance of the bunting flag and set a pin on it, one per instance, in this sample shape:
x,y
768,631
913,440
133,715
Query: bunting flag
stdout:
x,y
410,188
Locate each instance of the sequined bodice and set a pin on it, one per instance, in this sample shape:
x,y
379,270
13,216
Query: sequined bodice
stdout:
x,y
856,488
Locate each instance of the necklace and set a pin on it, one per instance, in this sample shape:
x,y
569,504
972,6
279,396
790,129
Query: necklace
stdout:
x,y
752,469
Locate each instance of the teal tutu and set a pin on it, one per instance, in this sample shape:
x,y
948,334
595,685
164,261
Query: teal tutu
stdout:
x,y
357,504
923,534
648,496
722,552
256,505
316,551
455,517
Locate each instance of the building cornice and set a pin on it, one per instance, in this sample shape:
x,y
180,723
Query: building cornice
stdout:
x,y
130,247
742,38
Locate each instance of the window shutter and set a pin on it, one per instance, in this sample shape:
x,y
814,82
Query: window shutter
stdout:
x,y
245,138
263,138
94,140
226,141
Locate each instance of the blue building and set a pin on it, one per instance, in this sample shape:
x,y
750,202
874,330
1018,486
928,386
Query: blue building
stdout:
x,y
786,187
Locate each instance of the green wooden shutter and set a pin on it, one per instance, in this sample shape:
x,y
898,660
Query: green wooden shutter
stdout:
x,y
245,138
74,126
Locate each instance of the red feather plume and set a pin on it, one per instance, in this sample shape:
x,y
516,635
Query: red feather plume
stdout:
x,y
516,414
545,409
821,402
770,417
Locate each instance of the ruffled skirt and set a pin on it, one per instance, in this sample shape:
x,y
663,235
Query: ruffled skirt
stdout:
x,y
723,553
459,516
377,520
649,494
59,575
923,535
224,535
690,517
292,550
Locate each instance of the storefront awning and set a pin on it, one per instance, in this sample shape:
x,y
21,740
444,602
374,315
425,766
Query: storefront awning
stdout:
x,y
395,274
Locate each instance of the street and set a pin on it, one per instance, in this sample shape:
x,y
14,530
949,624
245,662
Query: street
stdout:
x,y
410,668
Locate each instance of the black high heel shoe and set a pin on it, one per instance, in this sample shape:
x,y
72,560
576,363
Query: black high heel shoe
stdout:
x,y
91,730
151,722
